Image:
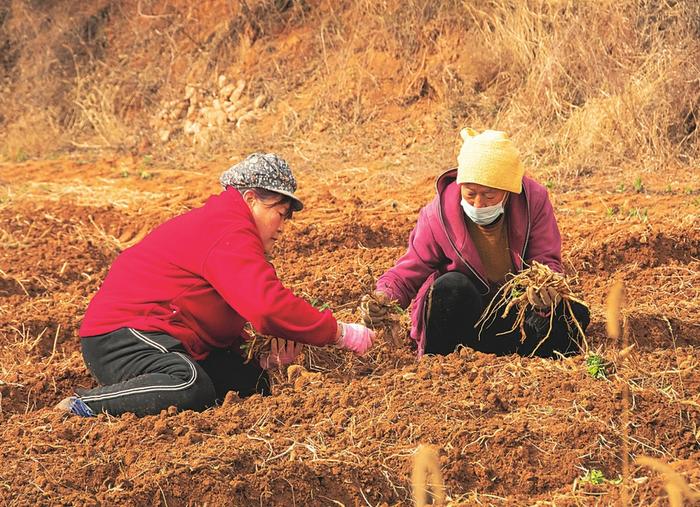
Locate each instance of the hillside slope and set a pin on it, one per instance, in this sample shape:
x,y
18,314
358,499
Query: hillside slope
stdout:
x,y
565,78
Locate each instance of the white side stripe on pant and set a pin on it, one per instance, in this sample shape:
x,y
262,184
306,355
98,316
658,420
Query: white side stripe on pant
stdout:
x,y
148,389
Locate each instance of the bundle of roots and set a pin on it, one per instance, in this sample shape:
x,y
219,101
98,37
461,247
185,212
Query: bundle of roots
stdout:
x,y
257,347
514,295
386,316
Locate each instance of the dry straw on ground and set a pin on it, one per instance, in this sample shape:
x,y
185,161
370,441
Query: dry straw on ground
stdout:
x,y
676,487
426,479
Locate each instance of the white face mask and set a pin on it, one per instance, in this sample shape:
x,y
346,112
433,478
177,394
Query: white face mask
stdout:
x,y
483,216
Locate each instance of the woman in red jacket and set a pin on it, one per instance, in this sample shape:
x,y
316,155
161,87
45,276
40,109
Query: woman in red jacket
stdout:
x,y
165,328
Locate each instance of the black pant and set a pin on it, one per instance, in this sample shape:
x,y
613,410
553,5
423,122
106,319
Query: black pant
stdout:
x,y
455,305
146,372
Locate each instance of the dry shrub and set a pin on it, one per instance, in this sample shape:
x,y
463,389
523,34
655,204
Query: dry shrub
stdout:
x,y
29,135
581,86
48,41
652,119
623,88
96,69
96,113
615,97
584,86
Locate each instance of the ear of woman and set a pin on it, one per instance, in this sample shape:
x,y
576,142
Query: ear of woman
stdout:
x,y
250,198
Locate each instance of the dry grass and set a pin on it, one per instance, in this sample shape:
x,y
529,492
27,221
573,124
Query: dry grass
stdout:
x,y
676,487
627,82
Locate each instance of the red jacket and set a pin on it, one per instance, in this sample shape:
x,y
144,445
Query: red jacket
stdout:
x,y
200,277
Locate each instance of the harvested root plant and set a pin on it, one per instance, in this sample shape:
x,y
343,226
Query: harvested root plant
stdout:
x,y
514,295
257,347
382,314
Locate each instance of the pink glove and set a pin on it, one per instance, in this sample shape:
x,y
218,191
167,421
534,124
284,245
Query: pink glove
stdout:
x,y
281,352
355,337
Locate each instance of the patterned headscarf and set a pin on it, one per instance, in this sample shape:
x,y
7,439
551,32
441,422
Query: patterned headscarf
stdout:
x,y
263,170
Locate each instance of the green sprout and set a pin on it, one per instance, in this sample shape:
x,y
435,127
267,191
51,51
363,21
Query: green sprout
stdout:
x,y
638,185
596,477
145,175
642,214
595,366
319,305
549,184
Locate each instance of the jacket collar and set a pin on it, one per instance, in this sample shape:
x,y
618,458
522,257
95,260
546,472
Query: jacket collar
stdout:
x,y
454,225
236,203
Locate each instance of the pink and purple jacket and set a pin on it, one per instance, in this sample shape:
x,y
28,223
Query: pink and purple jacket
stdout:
x,y
440,243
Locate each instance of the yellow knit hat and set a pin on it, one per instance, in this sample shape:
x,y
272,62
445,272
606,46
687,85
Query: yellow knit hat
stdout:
x,y
490,159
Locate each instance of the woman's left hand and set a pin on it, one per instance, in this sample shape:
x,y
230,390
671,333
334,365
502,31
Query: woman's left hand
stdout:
x,y
282,352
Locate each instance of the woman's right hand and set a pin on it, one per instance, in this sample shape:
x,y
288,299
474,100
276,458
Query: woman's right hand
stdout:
x,y
354,337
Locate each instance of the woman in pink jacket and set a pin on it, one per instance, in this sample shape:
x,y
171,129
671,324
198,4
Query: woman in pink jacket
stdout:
x,y
165,328
487,220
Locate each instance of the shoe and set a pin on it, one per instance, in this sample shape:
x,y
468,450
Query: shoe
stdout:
x,y
74,405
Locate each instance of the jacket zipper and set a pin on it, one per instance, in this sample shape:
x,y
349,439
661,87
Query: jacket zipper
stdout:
x,y
459,254
527,234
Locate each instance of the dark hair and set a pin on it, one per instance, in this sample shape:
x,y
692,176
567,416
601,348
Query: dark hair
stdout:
x,y
270,198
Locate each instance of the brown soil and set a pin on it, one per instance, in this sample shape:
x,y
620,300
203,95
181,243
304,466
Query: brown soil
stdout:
x,y
509,430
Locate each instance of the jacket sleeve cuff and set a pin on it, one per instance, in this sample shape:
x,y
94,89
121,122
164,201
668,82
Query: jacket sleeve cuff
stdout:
x,y
390,290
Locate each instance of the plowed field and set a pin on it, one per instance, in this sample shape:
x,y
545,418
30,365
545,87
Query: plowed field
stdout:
x,y
508,430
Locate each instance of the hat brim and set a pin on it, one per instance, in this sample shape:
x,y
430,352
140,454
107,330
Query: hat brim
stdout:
x,y
297,205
